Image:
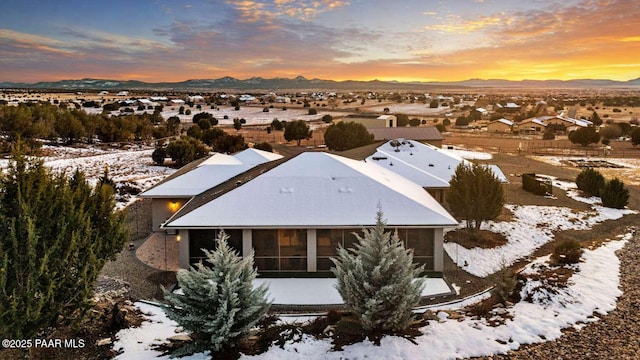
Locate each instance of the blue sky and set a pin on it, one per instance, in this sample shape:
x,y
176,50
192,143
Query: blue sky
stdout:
x,y
158,40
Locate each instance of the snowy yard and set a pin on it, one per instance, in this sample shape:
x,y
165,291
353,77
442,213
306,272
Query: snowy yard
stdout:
x,y
629,173
253,114
132,167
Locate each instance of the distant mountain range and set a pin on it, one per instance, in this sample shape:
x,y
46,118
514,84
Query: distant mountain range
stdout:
x,y
301,83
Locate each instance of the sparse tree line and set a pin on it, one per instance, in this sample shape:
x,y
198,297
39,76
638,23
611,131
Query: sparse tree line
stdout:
x,y
71,126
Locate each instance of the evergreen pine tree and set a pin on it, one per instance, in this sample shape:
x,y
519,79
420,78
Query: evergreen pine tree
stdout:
x,y
378,280
614,194
475,195
590,181
218,304
52,246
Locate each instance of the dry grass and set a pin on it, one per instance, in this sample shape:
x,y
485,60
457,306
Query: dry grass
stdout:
x,y
483,239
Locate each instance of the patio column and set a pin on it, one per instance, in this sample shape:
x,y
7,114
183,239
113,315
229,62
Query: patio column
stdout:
x,y
312,250
183,249
438,249
247,243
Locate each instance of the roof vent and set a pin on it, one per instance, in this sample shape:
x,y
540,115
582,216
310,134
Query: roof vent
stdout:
x,y
431,165
285,190
345,190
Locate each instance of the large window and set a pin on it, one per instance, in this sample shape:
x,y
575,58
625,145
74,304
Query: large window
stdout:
x,y
328,241
421,241
280,249
206,239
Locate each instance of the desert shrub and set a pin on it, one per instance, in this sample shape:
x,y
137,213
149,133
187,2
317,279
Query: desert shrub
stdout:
x,y
186,149
548,135
635,136
506,282
533,185
567,252
584,136
344,136
195,132
614,194
158,156
590,181
204,124
313,111
265,146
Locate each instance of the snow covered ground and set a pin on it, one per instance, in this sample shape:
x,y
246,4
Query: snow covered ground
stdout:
x,y
629,173
132,167
316,291
417,108
254,115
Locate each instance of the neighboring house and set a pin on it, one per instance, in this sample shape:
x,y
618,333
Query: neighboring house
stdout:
x,y
176,102
283,99
570,124
162,99
296,215
500,125
196,99
426,165
484,113
171,194
539,123
425,134
533,125
373,120
247,98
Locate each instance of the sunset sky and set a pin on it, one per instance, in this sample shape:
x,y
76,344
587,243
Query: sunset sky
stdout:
x,y
412,40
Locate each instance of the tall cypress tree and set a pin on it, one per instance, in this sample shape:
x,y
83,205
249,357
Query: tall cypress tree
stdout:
x,y
52,246
218,304
378,280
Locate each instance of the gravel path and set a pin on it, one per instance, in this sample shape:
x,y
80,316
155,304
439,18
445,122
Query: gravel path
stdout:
x,y
615,336
143,280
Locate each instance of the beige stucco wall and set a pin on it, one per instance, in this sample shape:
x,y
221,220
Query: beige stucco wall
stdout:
x,y
498,127
375,122
162,209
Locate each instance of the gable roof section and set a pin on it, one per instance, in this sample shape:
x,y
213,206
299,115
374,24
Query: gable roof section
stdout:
x,y
424,164
503,121
210,173
318,189
255,157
